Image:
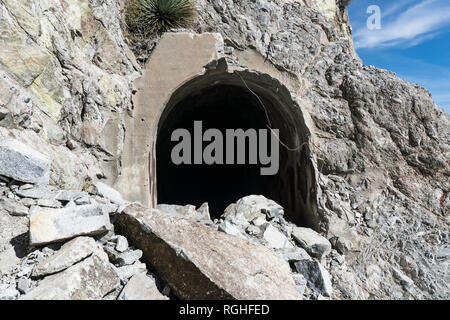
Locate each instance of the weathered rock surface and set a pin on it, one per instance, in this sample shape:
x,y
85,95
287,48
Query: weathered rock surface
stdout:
x,y
53,225
109,193
315,244
128,271
69,254
22,163
13,207
316,276
215,265
275,239
248,208
141,287
90,279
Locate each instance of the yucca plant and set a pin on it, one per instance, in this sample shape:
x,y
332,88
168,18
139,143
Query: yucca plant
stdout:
x,y
145,17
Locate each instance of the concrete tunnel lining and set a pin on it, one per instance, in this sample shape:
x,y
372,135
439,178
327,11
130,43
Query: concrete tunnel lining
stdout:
x,y
202,98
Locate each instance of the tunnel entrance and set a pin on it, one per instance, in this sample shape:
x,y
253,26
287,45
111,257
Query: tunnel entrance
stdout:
x,y
228,103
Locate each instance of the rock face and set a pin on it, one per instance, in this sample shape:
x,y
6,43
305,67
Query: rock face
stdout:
x,y
53,225
22,163
214,265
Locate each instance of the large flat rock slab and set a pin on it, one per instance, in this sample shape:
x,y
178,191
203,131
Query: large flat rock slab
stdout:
x,y
56,225
201,263
22,163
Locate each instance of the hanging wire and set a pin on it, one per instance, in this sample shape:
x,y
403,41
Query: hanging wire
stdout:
x,y
269,124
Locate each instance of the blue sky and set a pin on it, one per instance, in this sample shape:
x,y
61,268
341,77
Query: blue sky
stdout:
x,y
414,42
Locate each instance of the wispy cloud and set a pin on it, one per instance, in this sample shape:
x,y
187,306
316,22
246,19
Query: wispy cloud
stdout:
x,y
414,25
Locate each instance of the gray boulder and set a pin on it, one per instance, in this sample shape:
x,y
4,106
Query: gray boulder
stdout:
x,y
90,279
141,287
22,163
127,258
248,208
214,265
69,254
55,225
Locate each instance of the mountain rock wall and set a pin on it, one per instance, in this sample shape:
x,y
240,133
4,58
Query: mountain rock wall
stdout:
x,y
381,145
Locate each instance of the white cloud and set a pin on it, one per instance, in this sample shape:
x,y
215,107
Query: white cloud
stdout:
x,y
413,26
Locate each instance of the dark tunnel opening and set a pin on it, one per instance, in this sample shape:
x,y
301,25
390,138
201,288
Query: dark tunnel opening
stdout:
x,y
229,106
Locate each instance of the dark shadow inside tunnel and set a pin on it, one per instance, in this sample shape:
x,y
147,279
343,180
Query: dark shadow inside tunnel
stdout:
x,y
229,106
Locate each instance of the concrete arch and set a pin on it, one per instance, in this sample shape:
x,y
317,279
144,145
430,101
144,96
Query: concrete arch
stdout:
x,y
199,68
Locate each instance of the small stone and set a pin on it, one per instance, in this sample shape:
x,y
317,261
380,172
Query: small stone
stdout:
x,y
141,287
26,186
122,244
275,239
128,258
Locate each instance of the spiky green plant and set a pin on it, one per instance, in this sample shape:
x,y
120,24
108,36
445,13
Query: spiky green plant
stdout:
x,y
145,17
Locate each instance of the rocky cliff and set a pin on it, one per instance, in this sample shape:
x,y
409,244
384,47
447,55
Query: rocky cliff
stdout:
x,y
380,147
